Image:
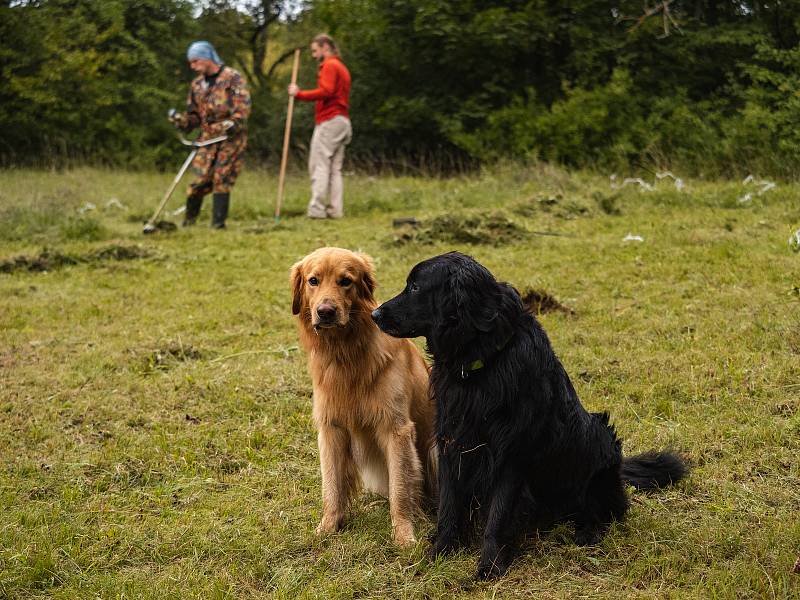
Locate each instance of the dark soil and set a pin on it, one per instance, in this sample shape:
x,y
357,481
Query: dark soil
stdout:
x,y
50,259
493,229
541,302
47,260
117,252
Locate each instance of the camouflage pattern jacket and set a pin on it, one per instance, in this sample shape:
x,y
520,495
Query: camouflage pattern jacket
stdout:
x,y
207,106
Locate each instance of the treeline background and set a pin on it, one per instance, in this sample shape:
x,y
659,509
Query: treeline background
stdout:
x,y
707,87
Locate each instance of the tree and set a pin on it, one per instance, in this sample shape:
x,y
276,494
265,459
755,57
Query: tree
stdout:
x,y
89,79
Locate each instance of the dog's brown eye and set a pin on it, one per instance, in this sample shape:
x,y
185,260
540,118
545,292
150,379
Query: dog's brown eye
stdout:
x,y
345,281
313,281
413,287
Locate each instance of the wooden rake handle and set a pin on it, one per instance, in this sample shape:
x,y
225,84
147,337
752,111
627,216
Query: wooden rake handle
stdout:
x,y
286,135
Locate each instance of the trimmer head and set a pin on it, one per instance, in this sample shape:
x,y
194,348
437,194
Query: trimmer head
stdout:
x,y
158,226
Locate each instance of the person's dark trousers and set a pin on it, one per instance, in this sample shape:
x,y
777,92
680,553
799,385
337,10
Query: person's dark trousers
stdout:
x,y
220,209
193,204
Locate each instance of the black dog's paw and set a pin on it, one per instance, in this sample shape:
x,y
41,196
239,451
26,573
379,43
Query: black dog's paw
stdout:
x,y
431,554
492,569
439,547
588,536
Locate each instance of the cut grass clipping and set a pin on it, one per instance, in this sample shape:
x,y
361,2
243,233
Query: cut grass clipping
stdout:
x,y
50,259
490,228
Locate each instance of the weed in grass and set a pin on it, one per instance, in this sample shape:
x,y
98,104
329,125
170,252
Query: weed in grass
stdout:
x,y
167,357
572,209
50,221
608,203
555,205
83,228
532,206
31,218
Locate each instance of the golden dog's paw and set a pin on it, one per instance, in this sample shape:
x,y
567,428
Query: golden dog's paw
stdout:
x,y
404,535
329,524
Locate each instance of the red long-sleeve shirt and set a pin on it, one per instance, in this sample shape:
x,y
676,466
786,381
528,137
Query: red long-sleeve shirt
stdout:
x,y
332,94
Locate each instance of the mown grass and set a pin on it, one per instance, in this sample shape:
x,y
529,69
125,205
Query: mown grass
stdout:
x,y
155,408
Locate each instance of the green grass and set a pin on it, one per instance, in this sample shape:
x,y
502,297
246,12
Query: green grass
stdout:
x,y
155,430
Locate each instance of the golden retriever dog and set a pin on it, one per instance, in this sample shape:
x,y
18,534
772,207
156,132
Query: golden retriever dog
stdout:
x,y
372,408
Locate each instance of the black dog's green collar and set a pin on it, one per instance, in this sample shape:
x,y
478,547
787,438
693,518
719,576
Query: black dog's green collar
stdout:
x,y
473,366
477,364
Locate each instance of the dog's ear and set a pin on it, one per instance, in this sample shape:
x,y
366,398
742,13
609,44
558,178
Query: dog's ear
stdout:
x,y
367,280
474,291
297,279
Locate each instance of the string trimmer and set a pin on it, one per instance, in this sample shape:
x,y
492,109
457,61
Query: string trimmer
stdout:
x,y
151,225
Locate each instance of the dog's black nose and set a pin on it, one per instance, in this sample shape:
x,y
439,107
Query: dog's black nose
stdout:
x,y
376,314
326,312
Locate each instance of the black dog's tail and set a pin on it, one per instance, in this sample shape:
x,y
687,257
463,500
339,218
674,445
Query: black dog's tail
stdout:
x,y
653,469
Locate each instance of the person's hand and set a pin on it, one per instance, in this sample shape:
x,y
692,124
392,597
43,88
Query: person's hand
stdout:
x,y
226,127
175,117
293,89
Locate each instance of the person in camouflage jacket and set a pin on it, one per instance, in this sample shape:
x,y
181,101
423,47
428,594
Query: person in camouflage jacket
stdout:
x,y
219,104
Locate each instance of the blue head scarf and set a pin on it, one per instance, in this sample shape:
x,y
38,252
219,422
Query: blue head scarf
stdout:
x,y
205,50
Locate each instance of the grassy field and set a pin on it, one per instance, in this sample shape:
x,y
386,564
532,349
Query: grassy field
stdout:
x,y
155,430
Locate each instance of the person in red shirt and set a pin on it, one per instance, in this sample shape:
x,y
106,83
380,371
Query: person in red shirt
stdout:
x,y
332,131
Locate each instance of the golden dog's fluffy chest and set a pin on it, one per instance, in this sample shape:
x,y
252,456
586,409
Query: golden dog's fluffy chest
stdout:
x,y
354,391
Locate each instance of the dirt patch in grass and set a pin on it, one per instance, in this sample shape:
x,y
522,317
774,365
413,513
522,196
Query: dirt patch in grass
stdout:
x,y
47,260
531,206
117,252
541,302
128,473
50,259
167,356
608,203
494,229
223,461
556,205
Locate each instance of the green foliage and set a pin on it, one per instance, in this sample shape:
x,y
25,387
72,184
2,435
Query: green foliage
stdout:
x,y
90,79
709,89
581,83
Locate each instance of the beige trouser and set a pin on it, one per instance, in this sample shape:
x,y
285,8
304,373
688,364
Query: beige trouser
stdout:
x,y
325,167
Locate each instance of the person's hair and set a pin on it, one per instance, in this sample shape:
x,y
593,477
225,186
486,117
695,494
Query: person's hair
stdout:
x,y
325,39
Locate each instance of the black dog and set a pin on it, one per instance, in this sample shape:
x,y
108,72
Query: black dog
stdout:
x,y
517,450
